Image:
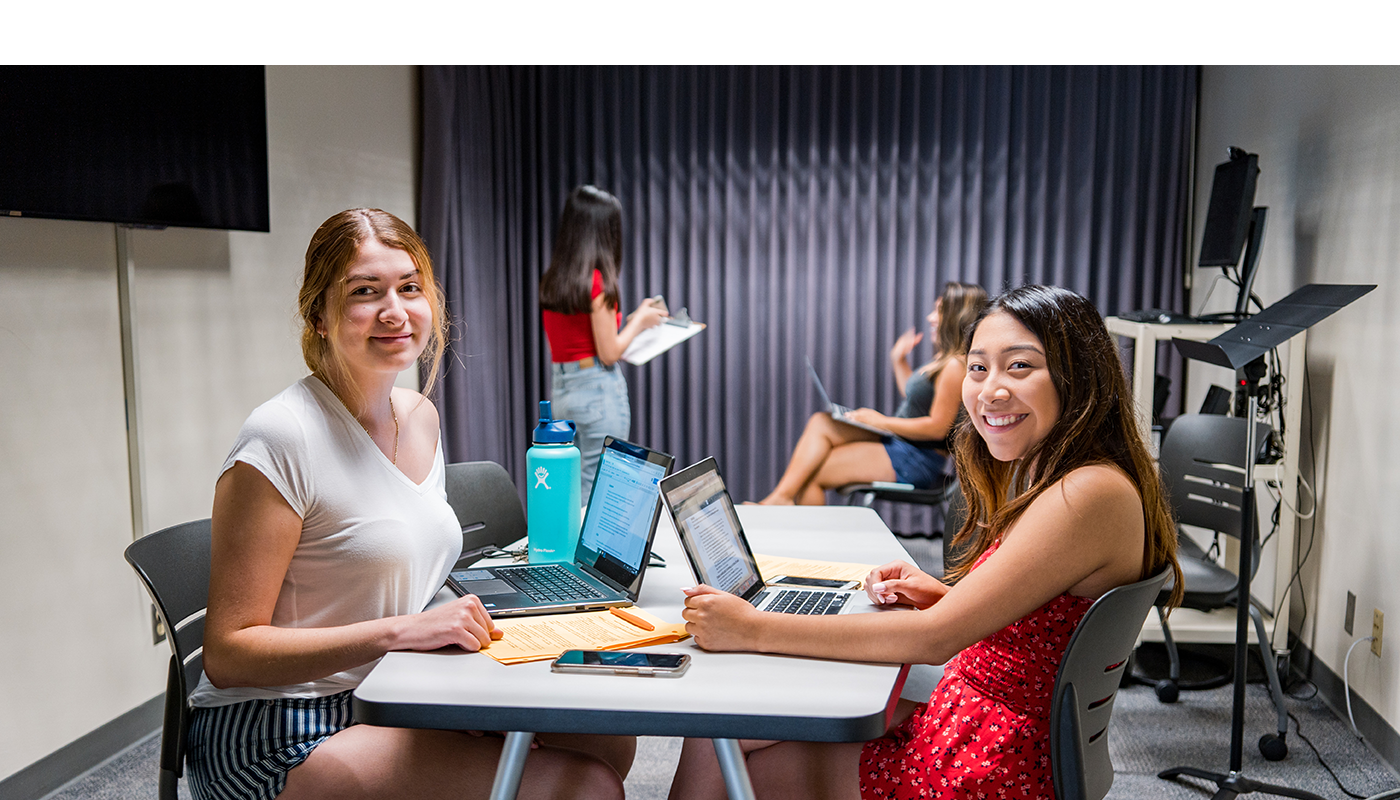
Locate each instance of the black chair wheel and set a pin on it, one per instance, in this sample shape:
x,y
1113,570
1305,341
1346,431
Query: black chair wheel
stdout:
x,y
1273,747
1167,690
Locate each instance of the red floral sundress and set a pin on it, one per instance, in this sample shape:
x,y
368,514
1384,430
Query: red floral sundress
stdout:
x,y
985,731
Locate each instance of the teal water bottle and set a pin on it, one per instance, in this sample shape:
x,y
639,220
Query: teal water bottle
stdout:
x,y
553,499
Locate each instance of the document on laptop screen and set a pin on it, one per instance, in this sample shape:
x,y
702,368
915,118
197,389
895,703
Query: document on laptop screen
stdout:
x,y
709,522
625,498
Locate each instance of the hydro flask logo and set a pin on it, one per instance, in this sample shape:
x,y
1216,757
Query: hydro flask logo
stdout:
x,y
541,475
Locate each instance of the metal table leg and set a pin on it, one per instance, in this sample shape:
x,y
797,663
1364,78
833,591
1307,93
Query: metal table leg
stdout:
x,y
736,772
512,765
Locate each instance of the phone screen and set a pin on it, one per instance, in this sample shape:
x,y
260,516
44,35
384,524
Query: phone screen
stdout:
x,y
821,583
621,659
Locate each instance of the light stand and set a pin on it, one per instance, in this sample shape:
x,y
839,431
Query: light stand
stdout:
x,y
1242,349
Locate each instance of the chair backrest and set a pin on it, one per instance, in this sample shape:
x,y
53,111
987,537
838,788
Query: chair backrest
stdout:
x,y
1202,461
1087,684
487,505
174,566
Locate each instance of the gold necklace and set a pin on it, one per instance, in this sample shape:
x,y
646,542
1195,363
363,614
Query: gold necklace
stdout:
x,y
392,413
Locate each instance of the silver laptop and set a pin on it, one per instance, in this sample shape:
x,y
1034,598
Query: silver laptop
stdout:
x,y
719,553
614,545
837,411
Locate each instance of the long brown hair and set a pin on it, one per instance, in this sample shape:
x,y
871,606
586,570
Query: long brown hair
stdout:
x,y
321,300
589,238
960,305
1097,425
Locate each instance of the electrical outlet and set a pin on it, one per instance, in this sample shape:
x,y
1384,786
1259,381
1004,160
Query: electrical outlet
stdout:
x,y
157,627
1377,625
1351,614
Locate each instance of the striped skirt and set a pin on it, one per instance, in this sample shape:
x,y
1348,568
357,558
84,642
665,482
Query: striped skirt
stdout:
x,y
244,751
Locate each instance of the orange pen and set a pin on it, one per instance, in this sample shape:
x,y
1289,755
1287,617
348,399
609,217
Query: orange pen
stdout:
x,y
633,618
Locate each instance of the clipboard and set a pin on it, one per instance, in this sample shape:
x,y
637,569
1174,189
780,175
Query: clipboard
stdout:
x,y
656,340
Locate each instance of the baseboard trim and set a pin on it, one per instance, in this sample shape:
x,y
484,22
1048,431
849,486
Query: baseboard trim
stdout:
x,y
1380,736
77,757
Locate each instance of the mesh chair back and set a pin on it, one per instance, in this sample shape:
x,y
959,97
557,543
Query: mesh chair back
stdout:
x,y
174,566
1087,684
487,505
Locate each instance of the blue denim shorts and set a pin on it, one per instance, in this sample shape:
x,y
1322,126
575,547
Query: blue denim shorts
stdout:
x,y
244,751
595,398
922,467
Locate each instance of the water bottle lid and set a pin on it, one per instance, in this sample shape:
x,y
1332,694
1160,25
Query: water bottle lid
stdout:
x,y
553,431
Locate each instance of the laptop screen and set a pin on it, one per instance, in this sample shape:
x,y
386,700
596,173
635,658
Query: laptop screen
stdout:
x,y
621,510
709,529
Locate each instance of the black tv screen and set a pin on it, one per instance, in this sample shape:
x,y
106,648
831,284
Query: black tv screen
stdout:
x,y
148,146
1231,203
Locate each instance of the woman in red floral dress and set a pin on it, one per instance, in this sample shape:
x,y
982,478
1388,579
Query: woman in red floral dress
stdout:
x,y
1064,504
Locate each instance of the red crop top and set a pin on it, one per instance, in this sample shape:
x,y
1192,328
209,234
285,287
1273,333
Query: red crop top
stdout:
x,y
571,335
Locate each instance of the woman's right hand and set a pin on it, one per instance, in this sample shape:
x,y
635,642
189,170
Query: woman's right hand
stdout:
x,y
463,622
904,345
649,314
899,582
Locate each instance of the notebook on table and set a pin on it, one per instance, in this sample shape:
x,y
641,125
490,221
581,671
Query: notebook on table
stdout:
x,y
837,411
614,545
719,553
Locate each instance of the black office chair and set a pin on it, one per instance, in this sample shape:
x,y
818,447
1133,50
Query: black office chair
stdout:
x,y
938,496
1202,463
1087,684
487,505
174,566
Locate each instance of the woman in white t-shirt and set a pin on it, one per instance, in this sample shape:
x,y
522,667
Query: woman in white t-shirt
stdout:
x,y
331,532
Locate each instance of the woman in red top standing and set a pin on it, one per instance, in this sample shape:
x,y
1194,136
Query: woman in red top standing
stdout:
x,y
580,300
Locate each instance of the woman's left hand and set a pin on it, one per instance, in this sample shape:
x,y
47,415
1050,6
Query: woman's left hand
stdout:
x,y
719,620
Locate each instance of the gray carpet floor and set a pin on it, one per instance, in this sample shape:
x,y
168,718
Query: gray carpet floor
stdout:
x,y
1145,738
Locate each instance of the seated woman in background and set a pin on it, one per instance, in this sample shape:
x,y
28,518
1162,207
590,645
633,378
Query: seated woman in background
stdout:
x,y
331,533
1064,504
831,454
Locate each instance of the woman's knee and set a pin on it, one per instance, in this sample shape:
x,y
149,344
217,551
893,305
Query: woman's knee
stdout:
x,y
820,424
556,772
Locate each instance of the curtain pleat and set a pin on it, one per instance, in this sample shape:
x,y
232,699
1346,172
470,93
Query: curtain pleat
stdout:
x,y
799,212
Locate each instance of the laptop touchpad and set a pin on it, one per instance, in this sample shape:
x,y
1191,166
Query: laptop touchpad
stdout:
x,y
488,587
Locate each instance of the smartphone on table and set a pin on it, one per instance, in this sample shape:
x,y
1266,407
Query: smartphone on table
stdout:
x,y
622,662
813,583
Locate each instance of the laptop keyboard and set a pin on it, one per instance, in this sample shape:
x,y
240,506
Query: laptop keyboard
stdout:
x,y
800,601
544,583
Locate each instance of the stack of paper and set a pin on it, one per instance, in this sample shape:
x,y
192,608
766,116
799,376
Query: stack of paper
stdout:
x,y
771,567
656,340
538,638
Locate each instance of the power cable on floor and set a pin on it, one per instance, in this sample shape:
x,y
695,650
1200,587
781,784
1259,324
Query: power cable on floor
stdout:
x,y
1326,766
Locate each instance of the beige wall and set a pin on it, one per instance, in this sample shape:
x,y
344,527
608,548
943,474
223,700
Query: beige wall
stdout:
x,y
1328,140
216,330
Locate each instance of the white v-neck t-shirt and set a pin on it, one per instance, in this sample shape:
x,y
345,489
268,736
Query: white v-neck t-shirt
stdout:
x,y
373,543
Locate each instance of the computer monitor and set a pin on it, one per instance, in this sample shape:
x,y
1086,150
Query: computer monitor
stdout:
x,y
1231,201
1234,223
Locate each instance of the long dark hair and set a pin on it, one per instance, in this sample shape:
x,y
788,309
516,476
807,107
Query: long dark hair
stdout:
x,y
589,238
1097,425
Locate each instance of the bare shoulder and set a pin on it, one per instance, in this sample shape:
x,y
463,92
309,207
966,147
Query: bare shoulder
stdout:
x,y
1092,503
415,410
1098,487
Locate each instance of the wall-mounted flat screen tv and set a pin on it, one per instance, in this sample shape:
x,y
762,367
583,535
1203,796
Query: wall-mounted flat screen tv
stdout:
x,y
145,146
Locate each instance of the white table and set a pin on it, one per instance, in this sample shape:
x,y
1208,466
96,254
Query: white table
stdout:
x,y
724,696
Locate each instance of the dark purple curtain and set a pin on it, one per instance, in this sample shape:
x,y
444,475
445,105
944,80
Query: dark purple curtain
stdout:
x,y
799,211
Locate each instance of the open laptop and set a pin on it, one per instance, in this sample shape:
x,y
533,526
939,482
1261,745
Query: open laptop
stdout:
x,y
614,545
719,553
837,411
